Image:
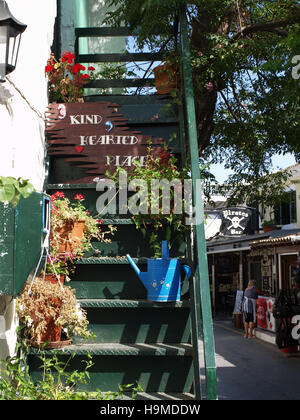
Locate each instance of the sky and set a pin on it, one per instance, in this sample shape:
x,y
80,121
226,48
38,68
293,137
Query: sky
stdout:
x,y
279,162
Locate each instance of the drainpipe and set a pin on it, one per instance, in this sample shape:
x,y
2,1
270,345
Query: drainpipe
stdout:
x,y
81,21
213,275
241,282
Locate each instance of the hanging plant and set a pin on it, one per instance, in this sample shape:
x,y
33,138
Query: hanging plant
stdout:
x,y
46,309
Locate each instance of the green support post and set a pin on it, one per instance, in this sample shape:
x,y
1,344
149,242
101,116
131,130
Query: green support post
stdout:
x,y
202,292
81,21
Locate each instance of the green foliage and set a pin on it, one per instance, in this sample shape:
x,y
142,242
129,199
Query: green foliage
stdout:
x,y
247,102
154,216
11,189
269,222
268,190
56,382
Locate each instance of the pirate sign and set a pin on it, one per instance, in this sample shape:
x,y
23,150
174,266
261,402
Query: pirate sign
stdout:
x,y
235,221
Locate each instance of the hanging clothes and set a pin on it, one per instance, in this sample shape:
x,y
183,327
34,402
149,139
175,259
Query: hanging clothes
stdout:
x,y
249,309
249,305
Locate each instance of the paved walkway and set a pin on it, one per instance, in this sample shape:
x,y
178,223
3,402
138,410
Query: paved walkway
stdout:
x,y
253,369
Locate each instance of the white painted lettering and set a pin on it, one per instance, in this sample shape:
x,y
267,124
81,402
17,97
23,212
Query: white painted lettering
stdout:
x,y
81,119
83,140
74,120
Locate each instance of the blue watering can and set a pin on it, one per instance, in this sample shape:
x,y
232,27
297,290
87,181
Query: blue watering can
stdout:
x,y
162,279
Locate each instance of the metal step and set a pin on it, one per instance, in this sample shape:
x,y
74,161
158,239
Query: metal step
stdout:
x,y
137,321
118,349
160,396
130,304
157,368
109,260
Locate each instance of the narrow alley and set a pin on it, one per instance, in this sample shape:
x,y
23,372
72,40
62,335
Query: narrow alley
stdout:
x,y
253,369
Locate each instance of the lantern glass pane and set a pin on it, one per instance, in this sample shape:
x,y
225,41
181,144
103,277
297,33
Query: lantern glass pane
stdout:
x,y
3,50
13,50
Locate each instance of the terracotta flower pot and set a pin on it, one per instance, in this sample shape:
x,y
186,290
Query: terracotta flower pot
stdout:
x,y
166,78
70,236
269,228
53,279
52,334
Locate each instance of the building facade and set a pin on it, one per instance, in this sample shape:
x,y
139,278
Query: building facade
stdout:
x,y
267,255
23,101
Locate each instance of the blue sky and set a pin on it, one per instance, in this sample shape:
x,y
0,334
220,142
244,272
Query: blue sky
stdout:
x,y
279,162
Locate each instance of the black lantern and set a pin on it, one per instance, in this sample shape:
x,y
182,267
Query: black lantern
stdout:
x,y
10,36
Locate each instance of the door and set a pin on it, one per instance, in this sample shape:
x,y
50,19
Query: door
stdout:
x,y
288,265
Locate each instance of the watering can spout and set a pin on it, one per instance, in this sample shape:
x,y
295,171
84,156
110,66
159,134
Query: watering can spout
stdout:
x,y
141,275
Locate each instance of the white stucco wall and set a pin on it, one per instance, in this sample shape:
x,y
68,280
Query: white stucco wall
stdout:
x,y
22,108
22,129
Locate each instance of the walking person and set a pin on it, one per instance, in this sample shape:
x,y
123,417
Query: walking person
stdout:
x,y
249,308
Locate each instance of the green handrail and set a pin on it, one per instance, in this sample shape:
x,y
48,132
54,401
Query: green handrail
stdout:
x,y
202,288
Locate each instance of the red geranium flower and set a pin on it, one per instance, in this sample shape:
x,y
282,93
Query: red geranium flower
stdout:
x,y
48,68
68,56
58,194
91,68
77,68
79,197
164,157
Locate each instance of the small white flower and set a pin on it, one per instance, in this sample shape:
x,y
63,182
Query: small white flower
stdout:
x,y
79,315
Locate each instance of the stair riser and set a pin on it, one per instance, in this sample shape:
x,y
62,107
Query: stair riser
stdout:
x,y
150,114
93,281
133,242
153,373
142,325
90,195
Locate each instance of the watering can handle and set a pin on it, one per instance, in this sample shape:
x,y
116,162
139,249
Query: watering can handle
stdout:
x,y
187,271
165,250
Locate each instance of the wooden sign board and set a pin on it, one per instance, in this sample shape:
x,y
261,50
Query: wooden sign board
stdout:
x,y
94,136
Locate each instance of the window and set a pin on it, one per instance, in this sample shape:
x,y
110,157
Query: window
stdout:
x,y
285,213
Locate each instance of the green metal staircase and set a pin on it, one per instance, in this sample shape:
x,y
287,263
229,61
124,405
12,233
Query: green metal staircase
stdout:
x,y
158,345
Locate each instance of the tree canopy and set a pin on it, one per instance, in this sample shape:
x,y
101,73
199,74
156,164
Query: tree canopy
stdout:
x,y
247,90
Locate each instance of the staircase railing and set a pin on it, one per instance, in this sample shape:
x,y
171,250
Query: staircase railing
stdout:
x,y
114,58
201,301
202,327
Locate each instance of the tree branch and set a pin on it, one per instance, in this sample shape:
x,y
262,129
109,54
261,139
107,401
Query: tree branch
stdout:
x,y
267,26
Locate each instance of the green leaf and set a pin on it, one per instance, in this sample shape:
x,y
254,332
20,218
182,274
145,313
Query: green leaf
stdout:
x,y
26,190
11,189
7,192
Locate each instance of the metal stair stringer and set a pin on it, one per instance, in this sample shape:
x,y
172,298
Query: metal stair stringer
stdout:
x,y
202,328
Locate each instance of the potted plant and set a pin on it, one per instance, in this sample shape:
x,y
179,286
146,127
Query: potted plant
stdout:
x,y
66,78
158,165
72,227
50,314
167,75
269,225
58,268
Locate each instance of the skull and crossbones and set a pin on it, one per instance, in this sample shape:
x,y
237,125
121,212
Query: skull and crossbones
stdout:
x,y
235,222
